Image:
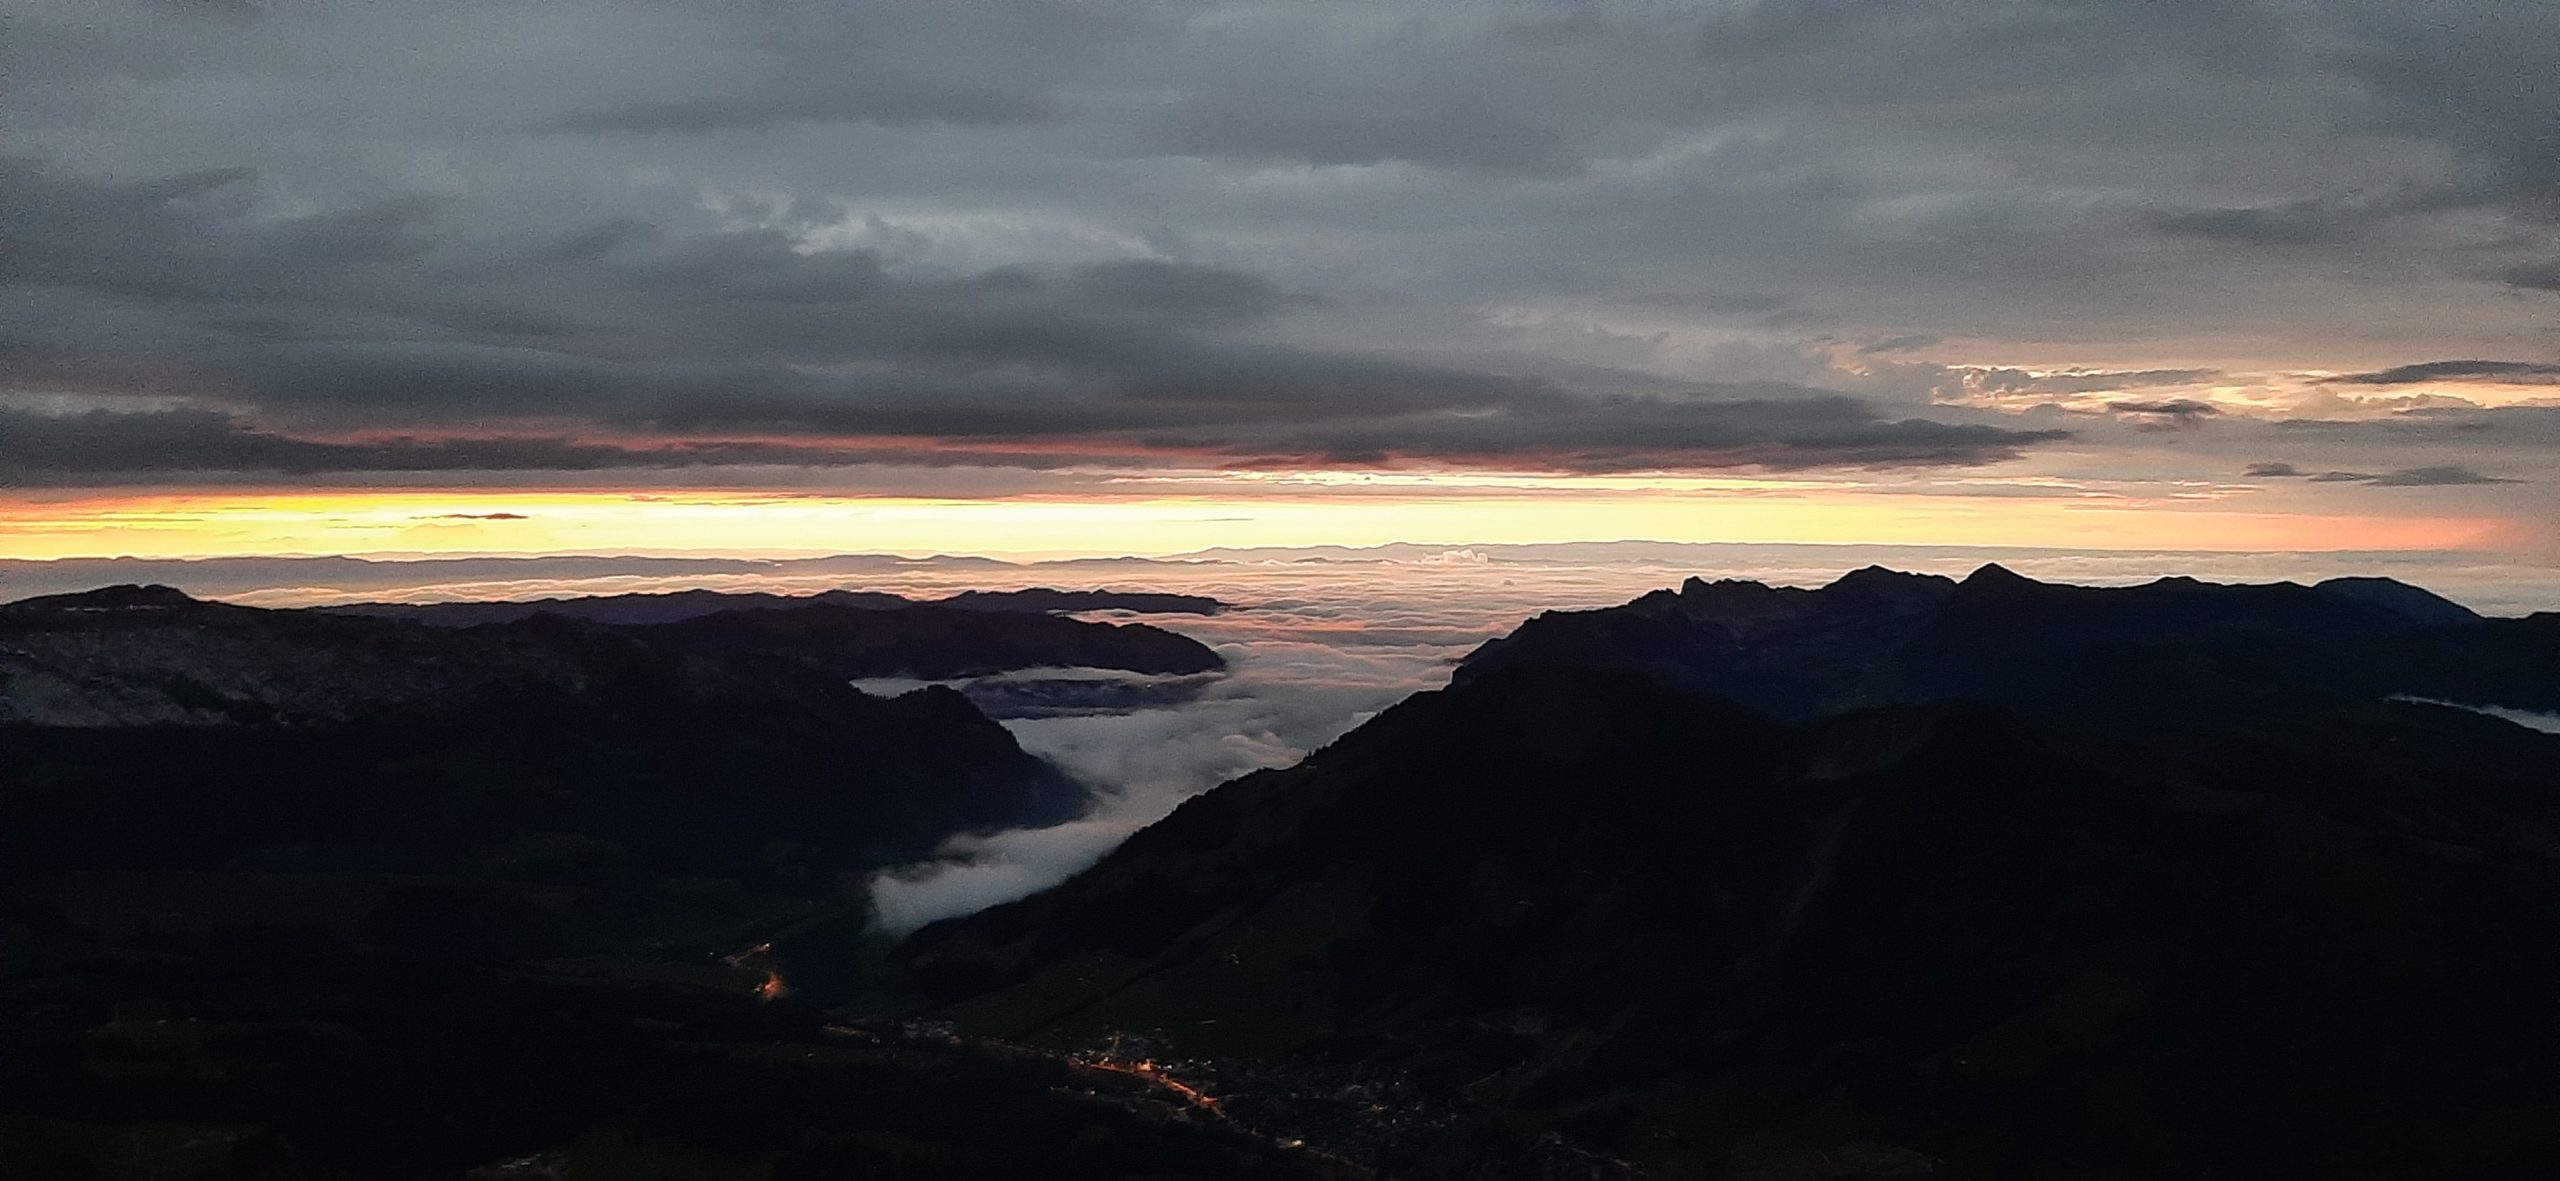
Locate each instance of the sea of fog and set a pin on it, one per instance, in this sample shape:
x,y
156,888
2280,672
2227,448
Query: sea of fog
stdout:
x,y
1319,640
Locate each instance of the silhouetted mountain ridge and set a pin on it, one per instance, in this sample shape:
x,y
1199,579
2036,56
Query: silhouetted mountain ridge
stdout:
x,y
670,606
2087,920
133,655
2166,649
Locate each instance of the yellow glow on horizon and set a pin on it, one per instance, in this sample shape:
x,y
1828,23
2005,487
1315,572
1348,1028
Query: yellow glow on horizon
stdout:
x,y
766,524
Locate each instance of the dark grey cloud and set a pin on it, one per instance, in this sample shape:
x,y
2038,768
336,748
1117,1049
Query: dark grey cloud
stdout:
x,y
2475,78
1792,430
1721,302
2436,477
2432,476
166,445
2493,372
701,339
2510,434
2174,414
712,114
2298,223
1554,432
1600,234
2328,220
2533,276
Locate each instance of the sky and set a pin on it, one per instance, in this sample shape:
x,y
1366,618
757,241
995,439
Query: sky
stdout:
x,y
1087,278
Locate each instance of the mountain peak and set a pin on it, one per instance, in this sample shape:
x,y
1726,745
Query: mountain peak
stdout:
x,y
121,597
1993,574
1694,587
1885,578
1866,574
2413,604
1879,589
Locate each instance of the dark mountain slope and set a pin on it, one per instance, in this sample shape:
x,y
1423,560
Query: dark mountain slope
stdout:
x,y
805,789
2413,604
298,894
2311,945
142,732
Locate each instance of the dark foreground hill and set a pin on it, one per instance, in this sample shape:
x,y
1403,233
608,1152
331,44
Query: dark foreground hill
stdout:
x,y
1983,935
309,1067
307,895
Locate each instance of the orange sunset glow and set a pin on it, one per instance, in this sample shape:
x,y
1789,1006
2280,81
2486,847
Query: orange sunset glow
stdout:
x,y
567,521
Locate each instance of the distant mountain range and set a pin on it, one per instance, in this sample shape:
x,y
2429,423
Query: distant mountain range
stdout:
x,y
1903,876
671,606
490,575
150,655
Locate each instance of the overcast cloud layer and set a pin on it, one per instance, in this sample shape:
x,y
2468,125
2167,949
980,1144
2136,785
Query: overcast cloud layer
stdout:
x,y
2268,241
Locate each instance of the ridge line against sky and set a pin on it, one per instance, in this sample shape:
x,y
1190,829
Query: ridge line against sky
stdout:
x,y
1015,276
